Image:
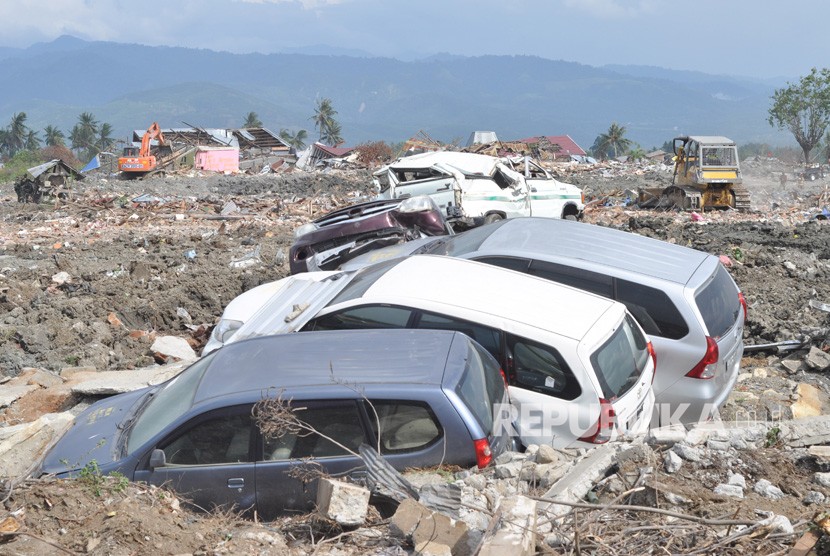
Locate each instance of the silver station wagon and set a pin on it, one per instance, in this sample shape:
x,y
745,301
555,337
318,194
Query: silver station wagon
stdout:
x,y
684,299
425,397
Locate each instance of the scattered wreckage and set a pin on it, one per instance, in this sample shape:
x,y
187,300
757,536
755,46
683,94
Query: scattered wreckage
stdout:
x,y
339,236
473,189
51,179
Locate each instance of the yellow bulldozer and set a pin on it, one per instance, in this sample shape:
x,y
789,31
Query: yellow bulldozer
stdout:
x,y
706,175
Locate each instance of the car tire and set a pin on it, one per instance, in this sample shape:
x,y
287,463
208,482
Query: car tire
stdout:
x,y
493,217
570,217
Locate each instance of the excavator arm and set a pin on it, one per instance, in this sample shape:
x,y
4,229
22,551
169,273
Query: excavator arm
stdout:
x,y
153,132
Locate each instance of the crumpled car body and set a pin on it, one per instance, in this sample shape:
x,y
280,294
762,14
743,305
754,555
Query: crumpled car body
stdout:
x,y
474,189
343,234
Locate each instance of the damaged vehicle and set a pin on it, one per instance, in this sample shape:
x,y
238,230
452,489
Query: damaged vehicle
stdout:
x,y
579,367
684,298
340,235
474,189
428,398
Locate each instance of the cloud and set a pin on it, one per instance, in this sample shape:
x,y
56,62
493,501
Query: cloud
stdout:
x,y
614,9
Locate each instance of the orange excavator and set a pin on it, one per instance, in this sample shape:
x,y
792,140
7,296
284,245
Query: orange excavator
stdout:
x,y
142,160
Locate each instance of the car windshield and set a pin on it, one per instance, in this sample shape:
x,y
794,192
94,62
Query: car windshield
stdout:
x,y
621,360
463,243
718,303
169,402
363,280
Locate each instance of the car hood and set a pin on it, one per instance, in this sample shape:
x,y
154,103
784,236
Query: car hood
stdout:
x,y
290,306
388,253
95,434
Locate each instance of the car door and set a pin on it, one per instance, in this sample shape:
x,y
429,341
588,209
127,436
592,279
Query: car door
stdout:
x,y
324,441
209,460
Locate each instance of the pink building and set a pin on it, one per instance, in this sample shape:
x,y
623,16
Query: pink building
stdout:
x,y
217,159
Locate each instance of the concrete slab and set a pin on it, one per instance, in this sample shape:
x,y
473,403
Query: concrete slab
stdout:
x,y
23,446
107,383
10,393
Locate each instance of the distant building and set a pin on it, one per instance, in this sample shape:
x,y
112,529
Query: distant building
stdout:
x,y
561,146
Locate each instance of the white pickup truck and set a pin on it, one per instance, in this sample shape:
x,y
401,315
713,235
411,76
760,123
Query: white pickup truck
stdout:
x,y
474,189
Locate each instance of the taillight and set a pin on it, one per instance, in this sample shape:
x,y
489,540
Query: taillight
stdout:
x,y
483,453
708,365
651,352
742,299
503,376
600,433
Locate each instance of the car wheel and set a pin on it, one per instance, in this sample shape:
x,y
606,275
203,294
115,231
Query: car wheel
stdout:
x,y
570,217
493,217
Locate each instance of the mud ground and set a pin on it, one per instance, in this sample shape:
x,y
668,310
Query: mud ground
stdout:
x,y
90,282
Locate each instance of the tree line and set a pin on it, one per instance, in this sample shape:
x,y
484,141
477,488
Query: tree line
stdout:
x,y
87,138
802,108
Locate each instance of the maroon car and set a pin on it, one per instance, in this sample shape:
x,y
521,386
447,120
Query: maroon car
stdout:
x,y
332,239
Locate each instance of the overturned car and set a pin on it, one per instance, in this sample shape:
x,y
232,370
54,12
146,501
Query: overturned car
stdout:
x,y
474,189
343,234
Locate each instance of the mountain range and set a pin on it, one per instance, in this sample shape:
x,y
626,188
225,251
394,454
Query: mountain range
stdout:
x,y
130,86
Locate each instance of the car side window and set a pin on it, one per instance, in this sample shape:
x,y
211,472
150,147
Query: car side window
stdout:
x,y
593,282
371,316
489,338
653,309
223,439
405,425
540,368
328,430
512,263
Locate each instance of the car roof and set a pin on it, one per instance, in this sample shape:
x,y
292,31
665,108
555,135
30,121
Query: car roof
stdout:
x,y
595,244
488,289
317,359
467,162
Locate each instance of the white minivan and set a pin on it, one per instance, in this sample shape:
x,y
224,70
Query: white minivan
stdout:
x,y
474,189
579,367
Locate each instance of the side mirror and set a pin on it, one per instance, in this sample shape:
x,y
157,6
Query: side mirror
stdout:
x,y
157,459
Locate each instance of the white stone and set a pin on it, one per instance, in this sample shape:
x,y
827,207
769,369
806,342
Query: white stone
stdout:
x,y
173,346
736,479
769,490
546,454
822,478
729,490
516,533
667,436
61,278
345,503
672,462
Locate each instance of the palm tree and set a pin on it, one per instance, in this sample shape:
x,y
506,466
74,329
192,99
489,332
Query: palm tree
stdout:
x,y
252,120
296,140
331,135
53,136
32,141
105,140
323,117
84,136
16,134
613,140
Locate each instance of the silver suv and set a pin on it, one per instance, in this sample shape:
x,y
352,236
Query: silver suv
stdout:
x,y
684,299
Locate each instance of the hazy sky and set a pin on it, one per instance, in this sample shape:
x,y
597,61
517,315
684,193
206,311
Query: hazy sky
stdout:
x,y
756,38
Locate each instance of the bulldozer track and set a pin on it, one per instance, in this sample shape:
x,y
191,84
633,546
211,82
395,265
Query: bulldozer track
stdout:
x,y
742,200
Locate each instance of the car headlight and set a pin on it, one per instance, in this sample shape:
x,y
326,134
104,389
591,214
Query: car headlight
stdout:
x,y
305,229
422,203
226,328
